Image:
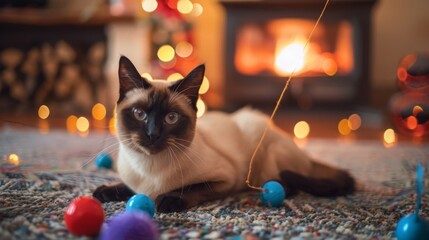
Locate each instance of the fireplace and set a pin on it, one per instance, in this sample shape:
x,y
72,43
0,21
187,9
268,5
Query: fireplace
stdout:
x,y
265,42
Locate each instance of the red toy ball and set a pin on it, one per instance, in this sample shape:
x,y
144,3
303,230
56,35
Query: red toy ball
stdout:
x,y
84,216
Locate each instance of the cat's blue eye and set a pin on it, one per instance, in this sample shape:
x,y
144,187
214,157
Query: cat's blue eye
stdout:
x,y
139,114
172,117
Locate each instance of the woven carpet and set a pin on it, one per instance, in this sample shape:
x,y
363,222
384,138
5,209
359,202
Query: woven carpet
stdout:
x,y
57,167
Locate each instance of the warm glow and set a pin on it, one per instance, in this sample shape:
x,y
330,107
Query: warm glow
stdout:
x,y
43,112
401,73
166,53
112,125
13,159
98,111
71,124
416,110
411,122
204,86
354,122
43,126
330,67
197,10
147,76
174,77
184,49
301,129
184,6
201,106
343,127
82,124
290,58
389,136
149,5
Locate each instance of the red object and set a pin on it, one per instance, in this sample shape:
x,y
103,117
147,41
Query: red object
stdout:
x,y
84,216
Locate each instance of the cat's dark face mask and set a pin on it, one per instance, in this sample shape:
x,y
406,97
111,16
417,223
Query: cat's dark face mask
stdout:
x,y
156,116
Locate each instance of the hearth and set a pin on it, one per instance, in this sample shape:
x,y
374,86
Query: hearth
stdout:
x,y
265,41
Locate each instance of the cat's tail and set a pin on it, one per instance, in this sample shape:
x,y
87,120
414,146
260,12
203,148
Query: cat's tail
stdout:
x,y
323,181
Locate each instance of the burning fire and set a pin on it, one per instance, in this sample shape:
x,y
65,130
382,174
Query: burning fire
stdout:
x,y
290,58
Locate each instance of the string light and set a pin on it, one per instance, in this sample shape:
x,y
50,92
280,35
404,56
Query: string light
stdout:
x,y
184,49
184,6
112,126
82,124
13,159
98,111
204,86
149,5
330,67
71,124
301,129
343,127
354,122
389,137
197,10
43,112
201,106
147,76
166,53
174,77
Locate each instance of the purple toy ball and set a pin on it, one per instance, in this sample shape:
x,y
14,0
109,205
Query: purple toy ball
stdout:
x,y
130,225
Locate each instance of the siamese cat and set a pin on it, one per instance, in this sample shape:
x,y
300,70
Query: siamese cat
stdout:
x,y
180,161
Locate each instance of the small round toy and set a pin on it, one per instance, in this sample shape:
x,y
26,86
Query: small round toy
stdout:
x,y
141,202
272,194
129,225
412,227
103,160
84,216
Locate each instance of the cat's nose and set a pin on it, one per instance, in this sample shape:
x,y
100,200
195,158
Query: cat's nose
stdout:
x,y
153,134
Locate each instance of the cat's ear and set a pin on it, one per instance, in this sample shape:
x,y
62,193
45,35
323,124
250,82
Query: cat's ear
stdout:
x,y
190,85
129,78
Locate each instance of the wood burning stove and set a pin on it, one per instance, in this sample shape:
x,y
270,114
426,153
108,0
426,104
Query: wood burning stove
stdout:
x,y
265,41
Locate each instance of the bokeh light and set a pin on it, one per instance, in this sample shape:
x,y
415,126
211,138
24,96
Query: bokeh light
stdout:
x,y
201,106
185,6
43,112
82,124
389,136
411,122
205,85
149,5
301,129
112,126
147,76
354,122
71,124
13,159
197,10
98,111
184,49
166,53
330,67
174,77
416,110
343,127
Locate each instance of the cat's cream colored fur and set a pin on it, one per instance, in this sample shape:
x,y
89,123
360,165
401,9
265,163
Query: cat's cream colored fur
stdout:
x,y
218,155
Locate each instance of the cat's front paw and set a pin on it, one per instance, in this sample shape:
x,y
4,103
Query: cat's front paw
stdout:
x,y
170,202
112,193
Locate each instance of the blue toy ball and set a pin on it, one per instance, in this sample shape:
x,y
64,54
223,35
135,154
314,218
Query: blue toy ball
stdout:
x,y
129,225
272,194
103,160
412,227
141,202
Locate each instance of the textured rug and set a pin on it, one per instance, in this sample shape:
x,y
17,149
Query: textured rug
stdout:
x,y
56,167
